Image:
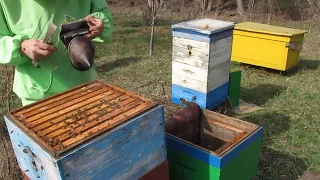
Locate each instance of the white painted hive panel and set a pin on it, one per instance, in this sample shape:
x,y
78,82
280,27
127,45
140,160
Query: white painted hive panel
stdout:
x,y
200,54
215,77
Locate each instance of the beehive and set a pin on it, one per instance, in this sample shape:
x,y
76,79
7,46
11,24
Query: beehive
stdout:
x,y
94,131
201,61
267,46
223,148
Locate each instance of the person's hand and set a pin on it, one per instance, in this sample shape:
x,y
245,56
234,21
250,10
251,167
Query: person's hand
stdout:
x,y
36,49
96,27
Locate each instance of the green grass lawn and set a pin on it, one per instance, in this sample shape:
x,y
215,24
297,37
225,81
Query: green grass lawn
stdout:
x,y
291,111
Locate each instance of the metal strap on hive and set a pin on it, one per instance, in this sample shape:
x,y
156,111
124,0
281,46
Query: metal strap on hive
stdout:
x,y
66,120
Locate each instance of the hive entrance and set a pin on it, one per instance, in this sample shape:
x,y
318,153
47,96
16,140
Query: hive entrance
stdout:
x,y
64,121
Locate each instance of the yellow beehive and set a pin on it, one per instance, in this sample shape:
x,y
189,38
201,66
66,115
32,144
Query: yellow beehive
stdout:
x,y
267,46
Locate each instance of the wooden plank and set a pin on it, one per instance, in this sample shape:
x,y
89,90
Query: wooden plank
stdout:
x,y
207,101
193,151
201,37
190,83
185,167
233,151
218,75
20,140
53,99
114,149
190,72
49,106
200,59
80,125
62,120
234,88
219,131
245,164
195,58
66,107
95,127
210,116
204,26
133,163
197,46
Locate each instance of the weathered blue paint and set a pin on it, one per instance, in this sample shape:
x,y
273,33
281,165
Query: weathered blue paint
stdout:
x,y
208,100
20,141
197,36
128,151
115,143
131,163
213,160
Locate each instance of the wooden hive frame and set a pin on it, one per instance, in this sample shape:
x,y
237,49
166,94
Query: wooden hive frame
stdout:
x,y
62,122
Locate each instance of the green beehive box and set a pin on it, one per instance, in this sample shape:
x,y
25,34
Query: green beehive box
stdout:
x,y
229,149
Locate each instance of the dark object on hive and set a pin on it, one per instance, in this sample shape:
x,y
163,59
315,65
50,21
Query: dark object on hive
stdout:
x,y
185,124
81,49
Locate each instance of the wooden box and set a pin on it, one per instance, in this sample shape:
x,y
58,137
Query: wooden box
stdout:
x,y
228,149
201,61
267,46
94,131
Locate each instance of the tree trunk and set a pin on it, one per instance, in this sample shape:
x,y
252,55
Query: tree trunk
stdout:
x,y
151,37
210,4
153,16
240,6
150,3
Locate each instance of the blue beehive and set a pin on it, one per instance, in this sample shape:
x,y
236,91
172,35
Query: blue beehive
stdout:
x,y
94,131
201,61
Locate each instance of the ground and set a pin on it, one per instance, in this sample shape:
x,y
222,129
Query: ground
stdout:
x,y
290,115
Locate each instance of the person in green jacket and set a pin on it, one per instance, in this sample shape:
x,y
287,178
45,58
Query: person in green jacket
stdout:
x,y
23,26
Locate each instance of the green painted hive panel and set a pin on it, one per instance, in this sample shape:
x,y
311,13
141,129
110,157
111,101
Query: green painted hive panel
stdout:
x,y
227,147
243,167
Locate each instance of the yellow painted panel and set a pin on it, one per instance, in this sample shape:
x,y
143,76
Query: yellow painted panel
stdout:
x,y
261,36
293,59
267,46
259,52
268,29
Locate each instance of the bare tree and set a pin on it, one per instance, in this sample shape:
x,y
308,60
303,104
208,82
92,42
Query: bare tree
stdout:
x,y
240,6
156,6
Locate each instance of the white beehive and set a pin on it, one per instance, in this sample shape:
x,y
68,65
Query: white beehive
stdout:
x,y
201,61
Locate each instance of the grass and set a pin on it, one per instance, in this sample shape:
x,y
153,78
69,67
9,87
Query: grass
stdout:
x,y
290,115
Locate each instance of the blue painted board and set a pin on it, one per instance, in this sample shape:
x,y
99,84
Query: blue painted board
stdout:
x,y
211,159
142,139
208,100
133,162
115,143
20,141
192,35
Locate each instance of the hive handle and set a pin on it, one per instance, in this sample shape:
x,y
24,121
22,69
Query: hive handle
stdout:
x,y
297,46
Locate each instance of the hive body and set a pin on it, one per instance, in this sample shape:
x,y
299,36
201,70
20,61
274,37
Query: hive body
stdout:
x,y
107,133
228,149
201,61
267,46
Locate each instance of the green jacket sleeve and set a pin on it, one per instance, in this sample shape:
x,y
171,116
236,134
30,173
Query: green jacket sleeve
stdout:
x,y
99,9
10,45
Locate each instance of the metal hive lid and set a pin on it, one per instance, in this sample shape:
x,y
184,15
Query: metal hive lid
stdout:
x,y
63,122
205,26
